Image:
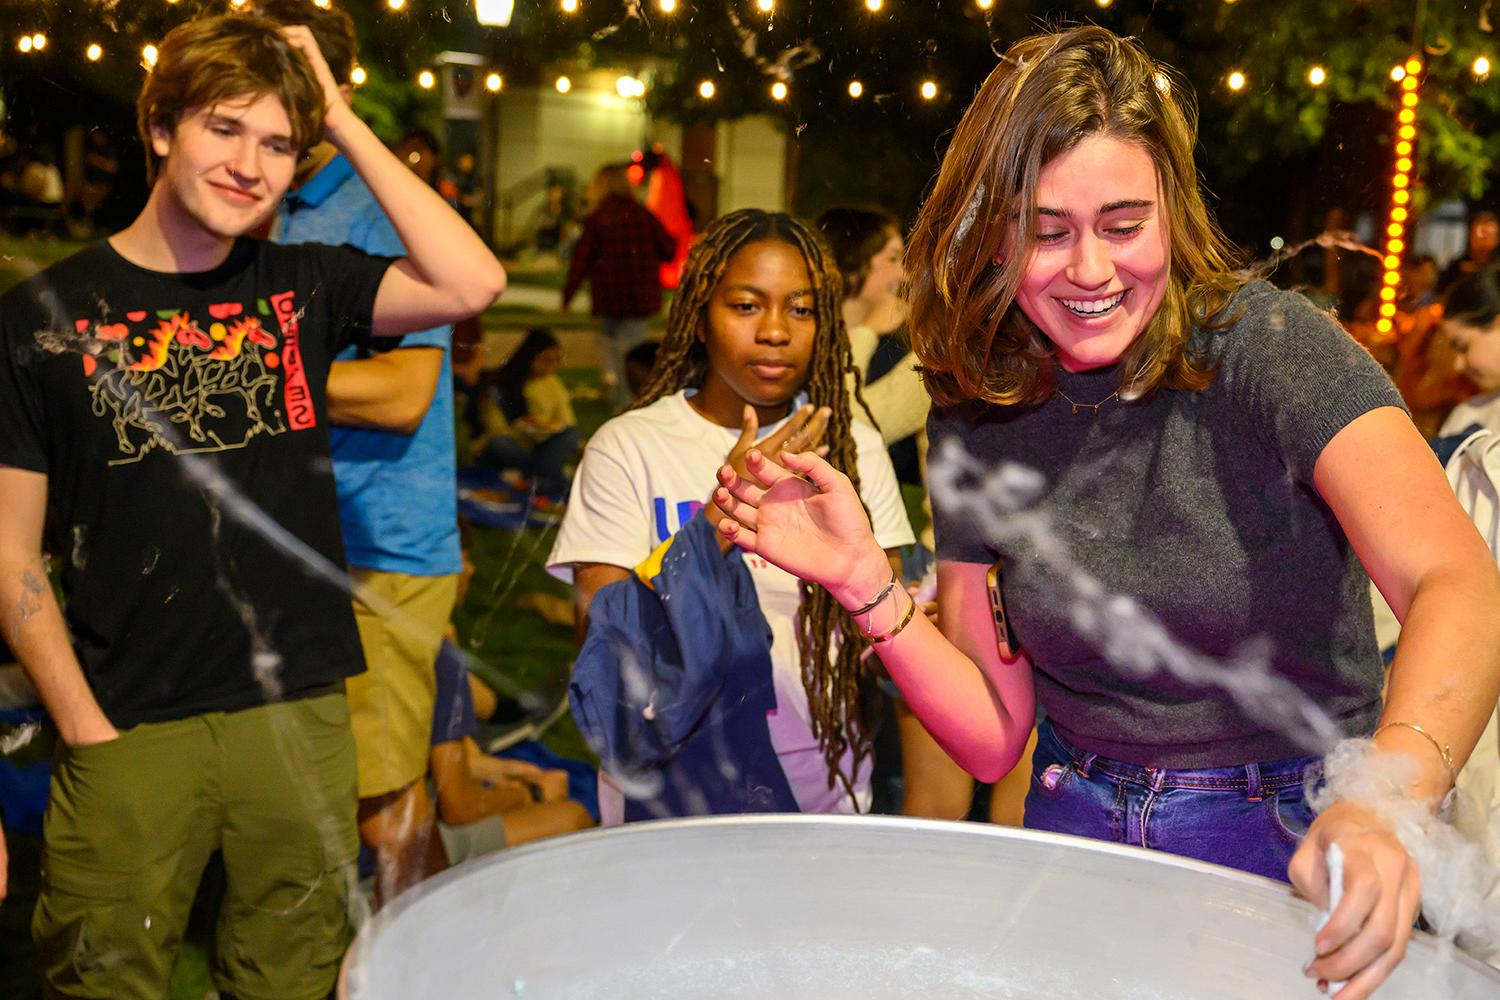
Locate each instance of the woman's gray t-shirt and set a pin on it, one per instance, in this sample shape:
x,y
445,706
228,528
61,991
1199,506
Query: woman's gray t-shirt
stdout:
x,y
1200,508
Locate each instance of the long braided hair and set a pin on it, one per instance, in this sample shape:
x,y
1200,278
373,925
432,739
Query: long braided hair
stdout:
x,y
834,681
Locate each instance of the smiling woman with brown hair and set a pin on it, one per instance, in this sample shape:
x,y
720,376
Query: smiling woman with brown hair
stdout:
x,y
1217,452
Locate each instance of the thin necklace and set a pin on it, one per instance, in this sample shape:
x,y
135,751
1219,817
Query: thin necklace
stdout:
x,y
1091,407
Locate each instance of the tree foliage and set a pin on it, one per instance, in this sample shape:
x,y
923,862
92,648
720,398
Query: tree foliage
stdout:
x,y
817,47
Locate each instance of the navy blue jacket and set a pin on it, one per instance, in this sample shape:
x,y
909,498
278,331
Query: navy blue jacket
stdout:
x,y
672,687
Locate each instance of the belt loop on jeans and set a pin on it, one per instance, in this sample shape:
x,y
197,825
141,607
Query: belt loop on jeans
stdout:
x,y
1083,763
1252,782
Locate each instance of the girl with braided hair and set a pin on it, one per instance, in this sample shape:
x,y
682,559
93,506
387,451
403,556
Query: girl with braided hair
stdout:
x,y
755,355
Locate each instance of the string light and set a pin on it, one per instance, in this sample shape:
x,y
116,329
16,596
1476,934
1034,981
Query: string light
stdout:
x,y
929,90
778,91
1104,3
426,80
563,85
94,52
629,86
325,4
38,41
873,5
395,4
984,4
856,89
358,76
1317,76
1407,75
1236,81
24,44
494,83
766,5
706,90
569,6
148,55
667,6
1481,67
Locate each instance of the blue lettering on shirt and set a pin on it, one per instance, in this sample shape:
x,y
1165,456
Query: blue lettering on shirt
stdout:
x,y
686,511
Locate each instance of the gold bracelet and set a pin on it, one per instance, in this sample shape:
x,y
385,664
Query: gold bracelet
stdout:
x,y
1442,748
911,609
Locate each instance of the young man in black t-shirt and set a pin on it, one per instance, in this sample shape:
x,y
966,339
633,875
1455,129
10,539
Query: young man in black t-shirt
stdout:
x,y
162,397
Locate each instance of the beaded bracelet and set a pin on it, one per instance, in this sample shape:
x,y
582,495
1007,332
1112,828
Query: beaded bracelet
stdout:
x,y
875,603
1444,751
911,609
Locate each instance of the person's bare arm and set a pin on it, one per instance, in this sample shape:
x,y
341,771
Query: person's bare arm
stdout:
x,y
804,516
1391,499
448,273
464,797
588,578
30,619
386,392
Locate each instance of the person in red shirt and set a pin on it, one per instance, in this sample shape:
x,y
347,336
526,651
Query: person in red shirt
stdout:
x,y
619,254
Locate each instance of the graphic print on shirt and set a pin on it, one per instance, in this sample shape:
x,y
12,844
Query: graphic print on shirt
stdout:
x,y
166,381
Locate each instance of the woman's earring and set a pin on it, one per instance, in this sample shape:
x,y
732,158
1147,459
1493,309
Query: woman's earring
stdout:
x,y
999,260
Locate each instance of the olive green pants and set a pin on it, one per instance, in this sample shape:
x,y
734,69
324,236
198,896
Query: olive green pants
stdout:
x,y
132,823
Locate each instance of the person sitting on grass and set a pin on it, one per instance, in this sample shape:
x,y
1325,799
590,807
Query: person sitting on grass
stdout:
x,y
484,802
526,422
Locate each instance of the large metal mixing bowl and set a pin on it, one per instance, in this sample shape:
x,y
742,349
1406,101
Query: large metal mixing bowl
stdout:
x,y
826,908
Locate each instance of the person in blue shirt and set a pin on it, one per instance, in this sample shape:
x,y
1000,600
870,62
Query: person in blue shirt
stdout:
x,y
394,465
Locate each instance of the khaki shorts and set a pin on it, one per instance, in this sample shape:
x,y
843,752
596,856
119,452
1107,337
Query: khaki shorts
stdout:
x,y
401,620
132,823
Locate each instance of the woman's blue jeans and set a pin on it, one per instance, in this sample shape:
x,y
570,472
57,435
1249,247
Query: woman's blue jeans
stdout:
x,y
1249,817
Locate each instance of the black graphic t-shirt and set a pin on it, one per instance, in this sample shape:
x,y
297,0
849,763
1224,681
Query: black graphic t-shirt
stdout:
x,y
181,421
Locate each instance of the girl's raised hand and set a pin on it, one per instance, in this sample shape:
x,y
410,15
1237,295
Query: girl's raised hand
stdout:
x,y
802,432
802,515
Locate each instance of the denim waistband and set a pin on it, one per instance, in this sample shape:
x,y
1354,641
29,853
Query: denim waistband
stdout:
x,y
1251,779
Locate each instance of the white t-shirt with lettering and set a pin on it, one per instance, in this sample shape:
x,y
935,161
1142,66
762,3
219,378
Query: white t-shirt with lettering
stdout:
x,y
643,475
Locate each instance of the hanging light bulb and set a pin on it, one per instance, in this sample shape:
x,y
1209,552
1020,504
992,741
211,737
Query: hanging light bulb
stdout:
x,y
24,43
563,85
569,6
706,90
38,41
778,91
1236,81
358,76
1481,66
148,56
1317,76
426,80
856,89
494,13
494,83
94,52
929,90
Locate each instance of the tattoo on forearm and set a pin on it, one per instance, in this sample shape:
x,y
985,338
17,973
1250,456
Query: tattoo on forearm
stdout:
x,y
32,588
